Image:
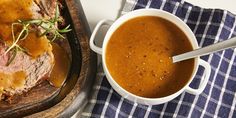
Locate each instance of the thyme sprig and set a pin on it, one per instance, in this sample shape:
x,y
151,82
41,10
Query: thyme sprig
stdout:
x,y
47,27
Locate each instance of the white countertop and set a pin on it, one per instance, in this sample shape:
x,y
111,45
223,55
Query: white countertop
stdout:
x,y
96,10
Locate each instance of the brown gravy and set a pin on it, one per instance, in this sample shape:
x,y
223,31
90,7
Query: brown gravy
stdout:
x,y
61,66
11,11
9,81
138,57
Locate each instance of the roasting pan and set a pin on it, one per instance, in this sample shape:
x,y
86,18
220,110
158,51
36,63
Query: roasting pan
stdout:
x,y
45,100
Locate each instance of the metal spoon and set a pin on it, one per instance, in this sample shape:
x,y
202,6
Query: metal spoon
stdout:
x,y
230,43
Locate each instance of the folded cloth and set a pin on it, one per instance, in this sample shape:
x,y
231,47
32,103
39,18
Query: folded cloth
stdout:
x,y
219,97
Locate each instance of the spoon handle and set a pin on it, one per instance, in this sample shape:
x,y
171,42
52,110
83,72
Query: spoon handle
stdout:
x,y
206,50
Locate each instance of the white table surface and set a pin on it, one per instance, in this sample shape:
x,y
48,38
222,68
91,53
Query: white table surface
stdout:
x,y
96,10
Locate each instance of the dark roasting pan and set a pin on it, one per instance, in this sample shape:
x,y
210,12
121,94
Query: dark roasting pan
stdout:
x,y
45,100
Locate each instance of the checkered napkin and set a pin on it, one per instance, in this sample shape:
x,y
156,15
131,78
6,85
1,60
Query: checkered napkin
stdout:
x,y
219,97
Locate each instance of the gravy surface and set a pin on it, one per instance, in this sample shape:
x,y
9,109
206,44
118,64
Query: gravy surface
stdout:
x,y
61,66
11,11
138,57
12,81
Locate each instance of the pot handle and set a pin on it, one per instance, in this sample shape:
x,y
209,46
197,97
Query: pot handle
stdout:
x,y
204,80
92,38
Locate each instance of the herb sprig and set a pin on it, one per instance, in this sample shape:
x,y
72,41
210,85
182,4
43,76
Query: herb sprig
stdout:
x,y
47,27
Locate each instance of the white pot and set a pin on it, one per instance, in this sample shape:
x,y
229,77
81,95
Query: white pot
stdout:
x,y
165,15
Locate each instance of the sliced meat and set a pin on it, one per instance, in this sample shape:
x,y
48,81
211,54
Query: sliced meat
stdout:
x,y
44,8
34,69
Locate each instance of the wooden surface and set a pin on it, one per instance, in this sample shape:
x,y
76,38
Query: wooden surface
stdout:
x,y
63,102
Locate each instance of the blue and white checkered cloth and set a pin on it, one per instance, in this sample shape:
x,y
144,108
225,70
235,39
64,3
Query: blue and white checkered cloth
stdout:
x,y
219,97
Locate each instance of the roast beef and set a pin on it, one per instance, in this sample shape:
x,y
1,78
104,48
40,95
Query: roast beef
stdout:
x,y
34,69
44,8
